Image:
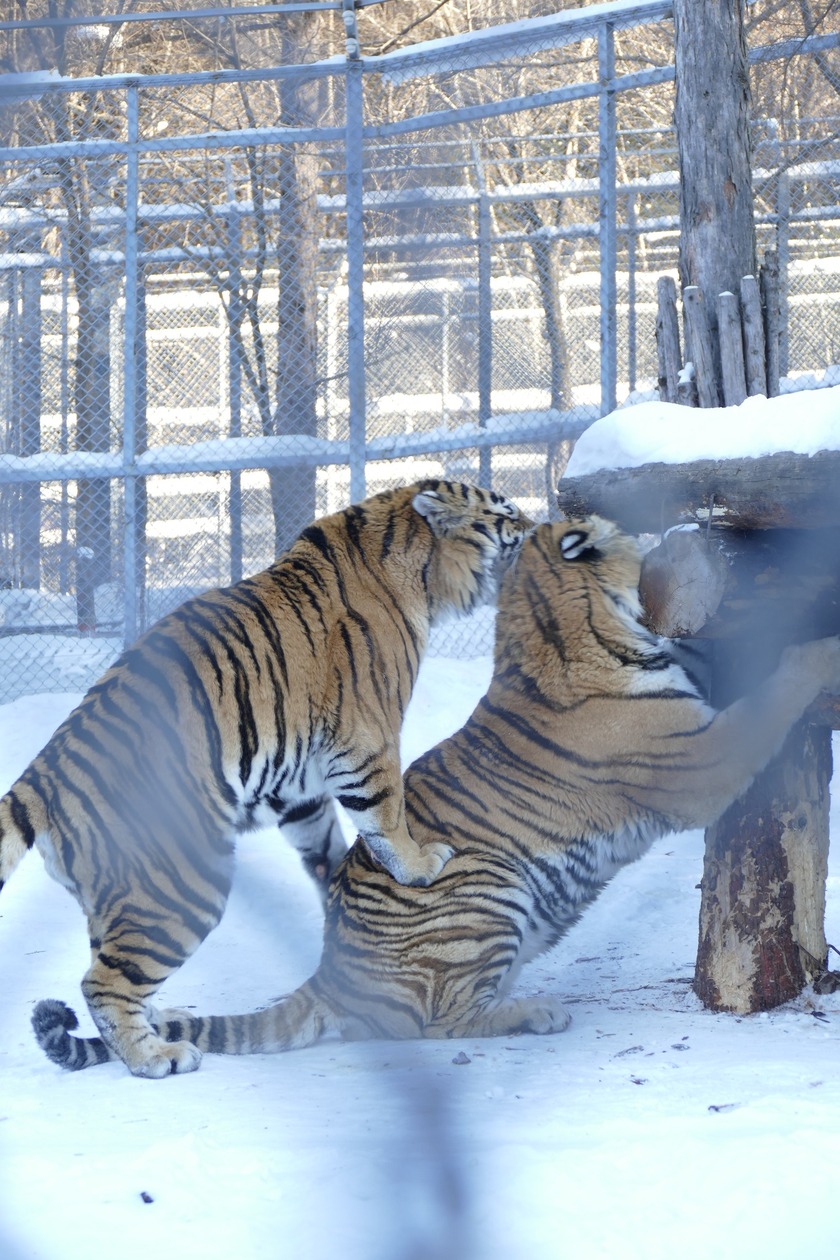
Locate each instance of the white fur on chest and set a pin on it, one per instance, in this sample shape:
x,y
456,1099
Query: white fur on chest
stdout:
x,y
581,871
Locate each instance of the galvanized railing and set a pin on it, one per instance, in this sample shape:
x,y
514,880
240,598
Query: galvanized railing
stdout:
x,y
422,261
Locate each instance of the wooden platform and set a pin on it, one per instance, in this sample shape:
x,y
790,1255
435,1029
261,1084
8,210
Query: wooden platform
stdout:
x,y
780,491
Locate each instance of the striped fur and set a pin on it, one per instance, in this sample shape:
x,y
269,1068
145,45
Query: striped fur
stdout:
x,y
247,706
590,743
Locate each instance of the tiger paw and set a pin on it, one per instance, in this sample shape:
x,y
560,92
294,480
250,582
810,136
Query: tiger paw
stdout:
x,y
416,869
172,1058
544,1015
435,857
819,659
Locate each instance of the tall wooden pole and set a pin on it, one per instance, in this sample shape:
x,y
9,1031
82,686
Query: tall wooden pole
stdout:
x,y
717,231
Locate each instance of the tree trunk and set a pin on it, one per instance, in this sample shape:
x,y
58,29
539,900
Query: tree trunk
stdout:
x,y
763,904
293,489
295,410
717,232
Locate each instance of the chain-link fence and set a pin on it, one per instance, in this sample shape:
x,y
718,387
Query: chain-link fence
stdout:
x,y
238,292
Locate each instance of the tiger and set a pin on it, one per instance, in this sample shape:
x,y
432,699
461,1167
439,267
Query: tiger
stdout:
x,y
247,706
591,742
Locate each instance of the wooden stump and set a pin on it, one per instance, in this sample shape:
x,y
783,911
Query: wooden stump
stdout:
x,y
761,919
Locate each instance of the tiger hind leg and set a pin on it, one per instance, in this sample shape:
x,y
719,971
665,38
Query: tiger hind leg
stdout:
x,y
502,1017
134,957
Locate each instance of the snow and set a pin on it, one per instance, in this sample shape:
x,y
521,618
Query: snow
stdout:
x,y
484,46
659,432
602,1142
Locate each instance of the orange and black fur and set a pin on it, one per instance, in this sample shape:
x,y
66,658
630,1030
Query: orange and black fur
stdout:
x,y
590,743
246,706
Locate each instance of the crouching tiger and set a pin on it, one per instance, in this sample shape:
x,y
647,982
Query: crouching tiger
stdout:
x,y
245,707
590,743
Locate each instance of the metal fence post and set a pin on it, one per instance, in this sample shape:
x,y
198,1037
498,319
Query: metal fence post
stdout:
x,y
354,193
232,328
783,247
632,329
485,335
27,386
131,553
606,213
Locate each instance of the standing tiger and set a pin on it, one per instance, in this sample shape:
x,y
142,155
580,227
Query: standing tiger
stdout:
x,y
243,707
590,743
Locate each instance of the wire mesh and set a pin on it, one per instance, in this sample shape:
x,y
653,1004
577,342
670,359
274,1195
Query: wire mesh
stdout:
x,y
187,261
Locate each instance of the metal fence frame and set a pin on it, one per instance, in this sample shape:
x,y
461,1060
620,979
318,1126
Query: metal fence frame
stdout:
x,y
480,48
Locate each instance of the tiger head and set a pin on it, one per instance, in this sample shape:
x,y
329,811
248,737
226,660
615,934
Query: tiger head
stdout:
x,y
573,598
476,535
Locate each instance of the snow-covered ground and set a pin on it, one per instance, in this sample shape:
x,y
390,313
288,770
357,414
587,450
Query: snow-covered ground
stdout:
x,y
651,1129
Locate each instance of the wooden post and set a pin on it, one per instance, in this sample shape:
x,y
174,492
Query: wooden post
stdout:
x,y
667,339
761,933
769,278
699,339
733,380
717,229
767,575
754,361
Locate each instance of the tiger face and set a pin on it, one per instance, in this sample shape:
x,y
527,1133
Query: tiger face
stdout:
x,y
481,533
573,593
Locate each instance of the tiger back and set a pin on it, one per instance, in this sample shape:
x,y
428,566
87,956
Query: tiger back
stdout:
x,y
590,743
247,706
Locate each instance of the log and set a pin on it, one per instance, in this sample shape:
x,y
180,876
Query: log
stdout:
x,y
761,936
733,378
754,357
687,386
764,588
683,581
825,712
769,280
699,338
667,339
783,490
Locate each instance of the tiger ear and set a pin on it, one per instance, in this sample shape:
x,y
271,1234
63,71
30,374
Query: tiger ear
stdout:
x,y
441,513
575,544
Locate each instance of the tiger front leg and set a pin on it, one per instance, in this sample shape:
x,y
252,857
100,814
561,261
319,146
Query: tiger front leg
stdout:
x,y
373,797
504,1017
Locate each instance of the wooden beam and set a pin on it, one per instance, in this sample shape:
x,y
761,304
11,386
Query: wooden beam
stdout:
x,y
784,490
